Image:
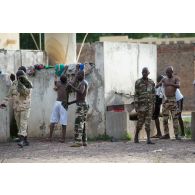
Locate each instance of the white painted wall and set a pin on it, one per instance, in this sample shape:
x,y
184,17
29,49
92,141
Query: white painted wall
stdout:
x,y
123,63
4,113
11,60
148,58
120,65
43,98
96,114
116,69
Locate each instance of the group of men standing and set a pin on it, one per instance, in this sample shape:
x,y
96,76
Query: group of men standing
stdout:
x,y
147,104
60,108
20,93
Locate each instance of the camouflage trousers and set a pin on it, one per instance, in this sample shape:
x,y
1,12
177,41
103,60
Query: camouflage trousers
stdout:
x,y
144,116
80,122
170,105
22,121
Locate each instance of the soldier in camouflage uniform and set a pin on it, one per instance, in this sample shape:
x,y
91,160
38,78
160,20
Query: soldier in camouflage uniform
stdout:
x,y
81,110
144,103
20,92
22,113
170,84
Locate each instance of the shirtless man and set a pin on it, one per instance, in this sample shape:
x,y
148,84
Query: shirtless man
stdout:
x,y
170,84
59,112
81,110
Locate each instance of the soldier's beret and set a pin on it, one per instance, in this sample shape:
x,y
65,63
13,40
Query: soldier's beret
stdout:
x,y
20,73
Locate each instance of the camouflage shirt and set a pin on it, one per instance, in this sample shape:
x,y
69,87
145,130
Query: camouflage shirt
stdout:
x,y
144,91
12,94
24,96
21,99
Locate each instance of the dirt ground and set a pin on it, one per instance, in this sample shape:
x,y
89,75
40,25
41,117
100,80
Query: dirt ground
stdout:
x,y
40,151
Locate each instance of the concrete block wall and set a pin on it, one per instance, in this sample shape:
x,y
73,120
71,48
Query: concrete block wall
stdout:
x,y
181,57
87,53
43,98
115,63
117,124
43,95
102,84
96,114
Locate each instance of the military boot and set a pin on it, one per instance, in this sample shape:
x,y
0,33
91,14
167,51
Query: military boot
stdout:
x,y
26,142
84,136
148,137
177,137
166,136
17,139
136,138
21,143
84,143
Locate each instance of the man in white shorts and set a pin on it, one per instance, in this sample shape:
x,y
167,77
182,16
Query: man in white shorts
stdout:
x,y
59,112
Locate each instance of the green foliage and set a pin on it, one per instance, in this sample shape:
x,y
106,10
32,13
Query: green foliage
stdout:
x,y
187,129
101,137
105,137
187,119
26,41
127,136
92,37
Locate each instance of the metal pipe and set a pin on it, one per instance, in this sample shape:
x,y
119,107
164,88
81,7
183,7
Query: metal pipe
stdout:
x,y
67,47
34,41
40,41
81,47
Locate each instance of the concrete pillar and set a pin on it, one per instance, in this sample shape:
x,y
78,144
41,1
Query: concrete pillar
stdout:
x,y
193,125
61,48
4,113
4,124
117,124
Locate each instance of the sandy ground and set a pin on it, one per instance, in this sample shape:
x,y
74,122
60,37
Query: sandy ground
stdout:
x,y
40,151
